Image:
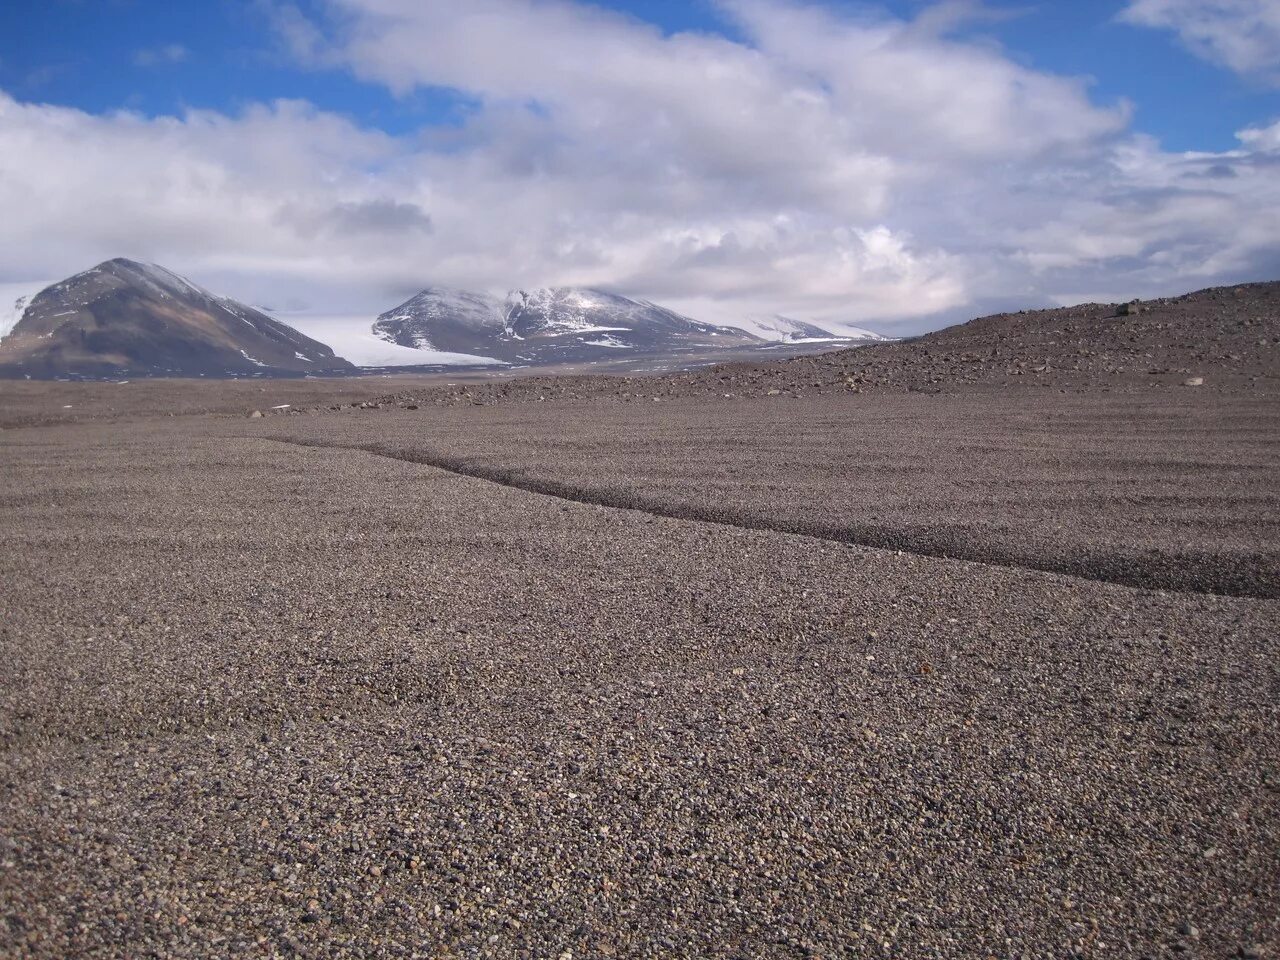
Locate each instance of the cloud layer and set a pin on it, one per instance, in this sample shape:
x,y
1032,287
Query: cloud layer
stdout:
x,y
821,166
1242,35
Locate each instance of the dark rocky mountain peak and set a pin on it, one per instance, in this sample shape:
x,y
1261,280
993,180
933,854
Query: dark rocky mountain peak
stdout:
x,y
125,317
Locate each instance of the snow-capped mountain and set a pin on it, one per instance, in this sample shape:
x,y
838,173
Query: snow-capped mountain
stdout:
x,y
551,325
785,330
127,317
443,319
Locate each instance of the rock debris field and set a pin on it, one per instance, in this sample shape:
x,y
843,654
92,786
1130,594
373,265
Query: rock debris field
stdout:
x,y
871,674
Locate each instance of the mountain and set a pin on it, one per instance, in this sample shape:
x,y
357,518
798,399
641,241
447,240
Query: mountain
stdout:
x,y
552,325
124,317
786,330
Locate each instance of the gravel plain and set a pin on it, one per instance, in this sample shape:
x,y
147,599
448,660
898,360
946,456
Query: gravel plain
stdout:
x,y
1178,491
267,699
828,667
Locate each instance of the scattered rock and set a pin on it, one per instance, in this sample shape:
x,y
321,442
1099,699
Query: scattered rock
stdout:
x,y
256,415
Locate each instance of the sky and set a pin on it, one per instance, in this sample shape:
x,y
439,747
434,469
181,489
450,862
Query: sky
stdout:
x,y
898,165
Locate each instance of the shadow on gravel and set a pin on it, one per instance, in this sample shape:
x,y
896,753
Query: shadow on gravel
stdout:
x,y
1188,571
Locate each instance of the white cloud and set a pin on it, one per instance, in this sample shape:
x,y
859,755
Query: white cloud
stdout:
x,y
1243,35
1262,139
824,167
158,56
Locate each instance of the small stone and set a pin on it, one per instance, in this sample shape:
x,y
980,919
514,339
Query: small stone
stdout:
x,y
256,415
1193,382
774,393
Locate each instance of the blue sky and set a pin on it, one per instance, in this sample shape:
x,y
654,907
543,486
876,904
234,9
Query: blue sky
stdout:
x,y
104,55
899,163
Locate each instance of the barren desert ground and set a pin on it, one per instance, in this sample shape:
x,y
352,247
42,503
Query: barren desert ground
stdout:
x,y
993,672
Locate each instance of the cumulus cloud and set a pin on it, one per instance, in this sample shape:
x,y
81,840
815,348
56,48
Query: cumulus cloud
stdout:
x,y
824,166
1243,35
1262,139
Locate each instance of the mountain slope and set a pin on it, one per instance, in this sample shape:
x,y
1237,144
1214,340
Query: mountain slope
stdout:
x,y
786,330
1210,338
443,318
551,325
124,317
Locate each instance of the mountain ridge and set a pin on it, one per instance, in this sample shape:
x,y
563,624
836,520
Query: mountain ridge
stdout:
x,y
551,325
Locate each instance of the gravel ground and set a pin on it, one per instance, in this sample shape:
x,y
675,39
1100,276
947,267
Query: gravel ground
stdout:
x,y
269,699
25,403
1171,492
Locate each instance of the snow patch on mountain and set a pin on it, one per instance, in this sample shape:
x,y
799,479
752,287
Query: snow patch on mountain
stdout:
x,y
477,310
350,337
14,300
556,311
782,329
612,342
852,332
